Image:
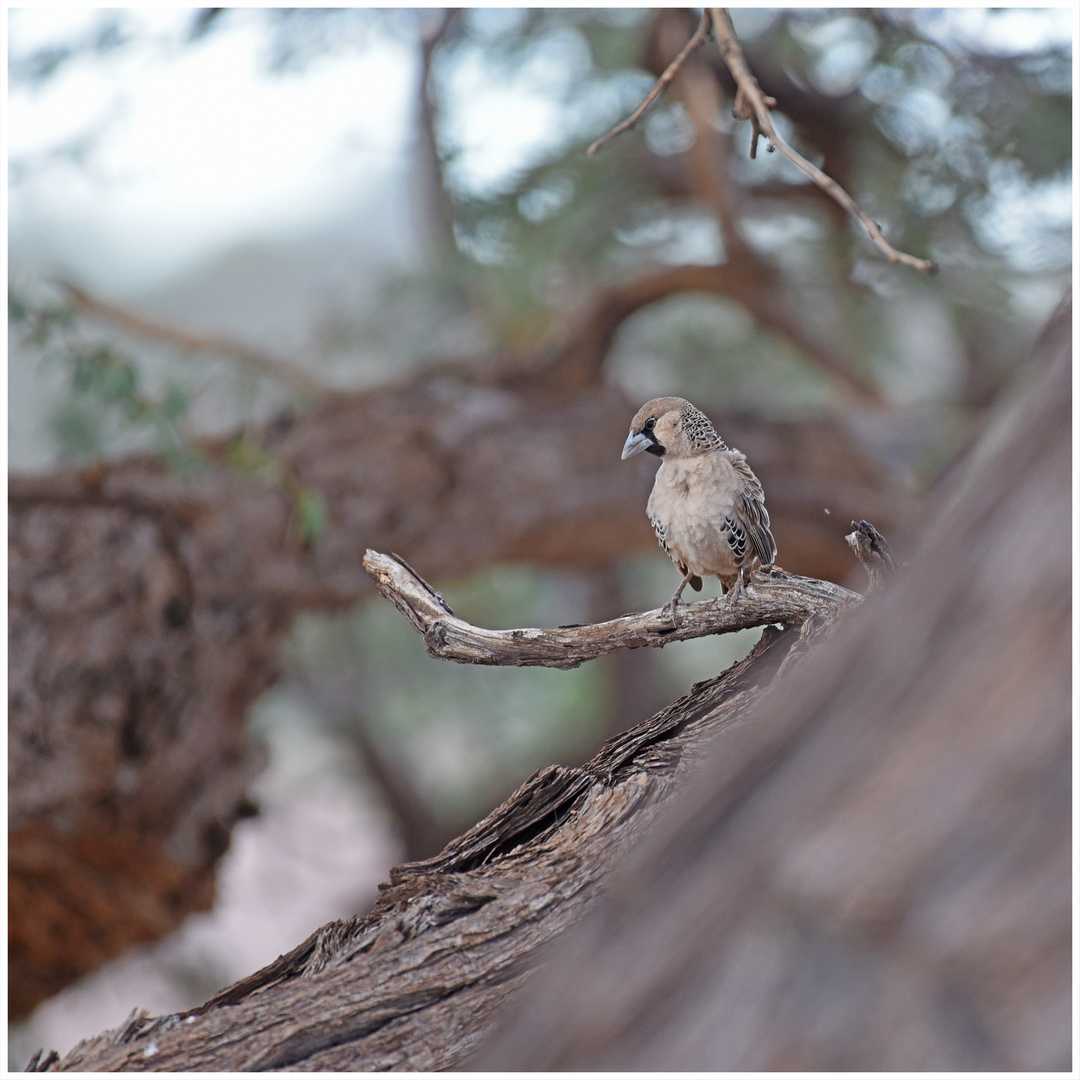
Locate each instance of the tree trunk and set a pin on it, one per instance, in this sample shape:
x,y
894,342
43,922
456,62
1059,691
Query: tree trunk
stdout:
x,y
871,870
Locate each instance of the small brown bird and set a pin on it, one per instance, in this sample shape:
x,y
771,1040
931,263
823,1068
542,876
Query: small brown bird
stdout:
x,y
706,506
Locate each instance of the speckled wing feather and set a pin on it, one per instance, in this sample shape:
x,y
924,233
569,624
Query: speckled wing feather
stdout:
x,y
661,534
750,508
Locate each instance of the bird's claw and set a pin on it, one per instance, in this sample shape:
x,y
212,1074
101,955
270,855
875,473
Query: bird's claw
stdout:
x,y
736,591
669,611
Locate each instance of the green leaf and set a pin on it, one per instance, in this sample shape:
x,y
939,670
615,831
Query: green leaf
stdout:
x,y
18,309
247,455
175,403
312,512
77,428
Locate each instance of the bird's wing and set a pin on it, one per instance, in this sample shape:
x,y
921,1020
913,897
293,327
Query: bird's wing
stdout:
x,y
749,522
661,532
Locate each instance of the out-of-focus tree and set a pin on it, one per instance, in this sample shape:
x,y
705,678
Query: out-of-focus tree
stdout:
x,y
155,579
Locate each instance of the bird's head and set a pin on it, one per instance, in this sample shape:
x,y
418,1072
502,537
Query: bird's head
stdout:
x,y
670,425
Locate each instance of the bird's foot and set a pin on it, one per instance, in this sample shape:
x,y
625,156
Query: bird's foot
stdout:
x,y
670,611
736,591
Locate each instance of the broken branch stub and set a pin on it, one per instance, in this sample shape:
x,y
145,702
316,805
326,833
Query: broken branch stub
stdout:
x,y
777,598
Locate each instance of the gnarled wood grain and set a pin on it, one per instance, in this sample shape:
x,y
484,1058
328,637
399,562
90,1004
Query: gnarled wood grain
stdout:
x,y
417,982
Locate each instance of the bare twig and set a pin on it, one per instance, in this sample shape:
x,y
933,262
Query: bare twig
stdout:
x,y
751,104
183,339
700,34
783,598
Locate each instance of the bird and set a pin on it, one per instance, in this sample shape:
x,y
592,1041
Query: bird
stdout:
x,y
706,505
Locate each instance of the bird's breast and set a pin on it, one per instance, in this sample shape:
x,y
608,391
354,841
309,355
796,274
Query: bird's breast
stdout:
x,y
688,505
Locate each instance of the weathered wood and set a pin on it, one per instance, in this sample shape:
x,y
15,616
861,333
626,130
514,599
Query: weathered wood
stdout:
x,y
773,597
417,982
873,551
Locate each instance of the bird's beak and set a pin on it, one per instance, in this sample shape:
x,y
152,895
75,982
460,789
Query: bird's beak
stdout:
x,y
634,444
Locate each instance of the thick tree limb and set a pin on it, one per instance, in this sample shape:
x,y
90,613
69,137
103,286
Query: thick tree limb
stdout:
x,y
578,361
873,872
146,612
781,598
415,983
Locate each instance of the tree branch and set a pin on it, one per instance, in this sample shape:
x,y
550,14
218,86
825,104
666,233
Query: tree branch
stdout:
x,y
751,283
782,599
751,104
255,359
700,34
891,818
439,205
422,831
417,981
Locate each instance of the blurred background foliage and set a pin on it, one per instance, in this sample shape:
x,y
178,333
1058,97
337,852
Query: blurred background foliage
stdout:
x,y
951,127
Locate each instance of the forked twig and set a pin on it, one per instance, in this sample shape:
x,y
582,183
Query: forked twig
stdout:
x,y
751,104
779,597
700,34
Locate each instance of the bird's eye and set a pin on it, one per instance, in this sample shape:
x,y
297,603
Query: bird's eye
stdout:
x,y
650,423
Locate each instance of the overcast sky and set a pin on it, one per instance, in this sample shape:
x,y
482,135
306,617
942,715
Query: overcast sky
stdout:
x,y
199,145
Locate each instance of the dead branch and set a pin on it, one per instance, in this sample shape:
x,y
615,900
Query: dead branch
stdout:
x,y
751,104
255,359
700,34
146,612
783,599
873,551
873,871
415,983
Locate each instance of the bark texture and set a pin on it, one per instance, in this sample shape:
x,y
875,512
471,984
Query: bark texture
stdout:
x,y
871,870
146,612
417,982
